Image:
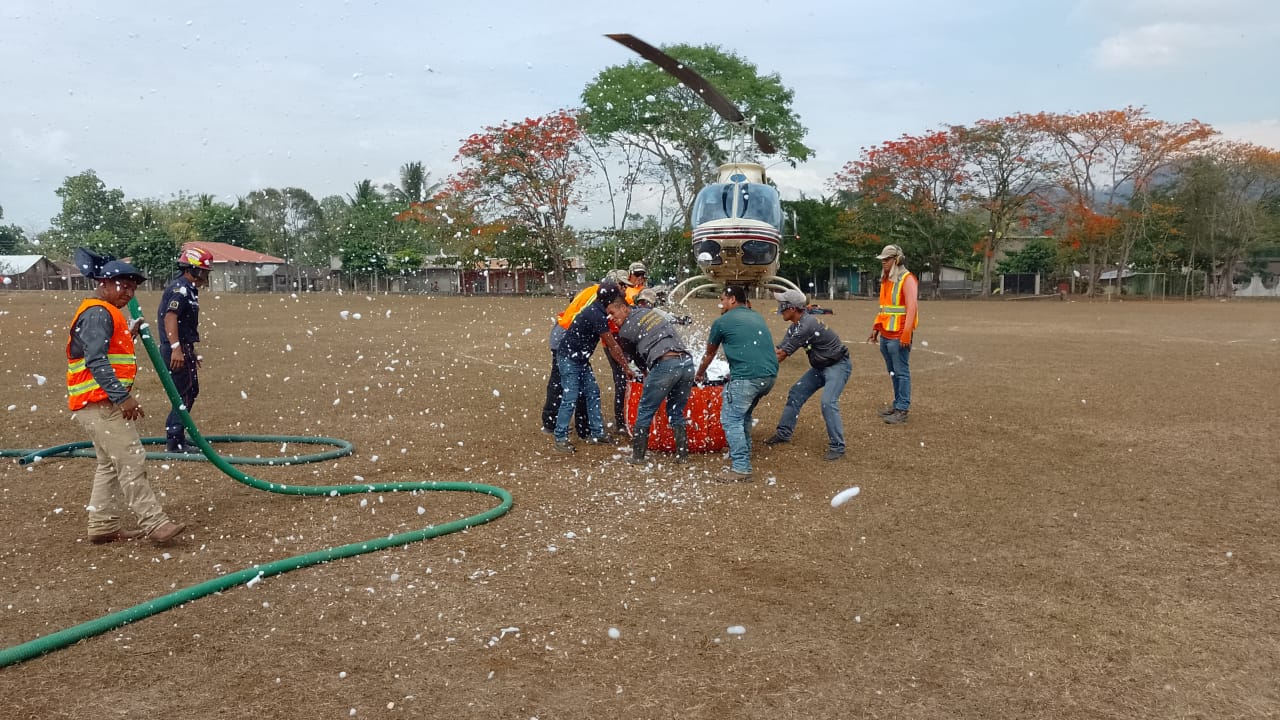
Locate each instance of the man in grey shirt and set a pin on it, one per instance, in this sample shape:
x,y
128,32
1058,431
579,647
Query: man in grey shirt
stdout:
x,y
101,367
649,336
829,370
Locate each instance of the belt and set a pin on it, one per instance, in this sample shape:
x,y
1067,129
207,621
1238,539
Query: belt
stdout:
x,y
670,355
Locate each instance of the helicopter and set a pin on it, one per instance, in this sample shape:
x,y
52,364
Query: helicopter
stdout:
x,y
737,221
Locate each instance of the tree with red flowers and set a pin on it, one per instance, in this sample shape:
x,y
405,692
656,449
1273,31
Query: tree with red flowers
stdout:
x,y
1109,161
524,174
1007,172
912,187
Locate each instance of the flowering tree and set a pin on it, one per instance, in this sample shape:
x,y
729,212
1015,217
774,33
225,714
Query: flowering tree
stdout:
x,y
1007,171
525,174
912,186
1109,161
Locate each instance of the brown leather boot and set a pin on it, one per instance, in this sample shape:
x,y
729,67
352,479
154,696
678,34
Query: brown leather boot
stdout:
x,y
167,531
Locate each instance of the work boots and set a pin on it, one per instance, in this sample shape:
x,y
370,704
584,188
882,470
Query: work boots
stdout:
x,y
682,444
639,446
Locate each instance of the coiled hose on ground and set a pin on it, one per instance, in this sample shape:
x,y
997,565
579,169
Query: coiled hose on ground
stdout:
x,y
106,623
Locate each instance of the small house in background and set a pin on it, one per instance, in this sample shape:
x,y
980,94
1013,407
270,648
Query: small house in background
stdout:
x,y
955,281
237,269
496,276
29,272
440,274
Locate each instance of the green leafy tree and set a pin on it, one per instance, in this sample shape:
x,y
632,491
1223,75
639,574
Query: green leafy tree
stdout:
x,y
12,239
1038,256
365,193
220,222
91,216
815,244
287,223
639,106
153,251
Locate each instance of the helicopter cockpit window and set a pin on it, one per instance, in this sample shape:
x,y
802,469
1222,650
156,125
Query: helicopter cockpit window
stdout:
x,y
714,202
738,201
760,202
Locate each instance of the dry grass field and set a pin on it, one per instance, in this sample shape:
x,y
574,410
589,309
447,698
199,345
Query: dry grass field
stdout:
x,y
1080,520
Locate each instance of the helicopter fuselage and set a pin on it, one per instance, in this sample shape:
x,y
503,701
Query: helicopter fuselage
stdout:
x,y
737,227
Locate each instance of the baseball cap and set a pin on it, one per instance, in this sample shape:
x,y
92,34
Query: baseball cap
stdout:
x,y
648,295
619,277
118,269
890,251
789,299
608,292
637,268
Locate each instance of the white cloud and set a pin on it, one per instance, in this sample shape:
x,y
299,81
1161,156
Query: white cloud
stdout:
x,y
1157,45
1259,132
1145,34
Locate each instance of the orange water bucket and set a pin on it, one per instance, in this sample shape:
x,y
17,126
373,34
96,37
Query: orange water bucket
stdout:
x,y
704,430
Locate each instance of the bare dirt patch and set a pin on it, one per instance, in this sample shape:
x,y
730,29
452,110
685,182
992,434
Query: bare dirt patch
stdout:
x,y
1080,520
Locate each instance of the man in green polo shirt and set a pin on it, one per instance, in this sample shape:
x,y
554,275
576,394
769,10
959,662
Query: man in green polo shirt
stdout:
x,y
753,367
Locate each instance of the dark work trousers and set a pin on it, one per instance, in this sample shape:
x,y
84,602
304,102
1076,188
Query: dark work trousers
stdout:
x,y
619,394
551,407
187,381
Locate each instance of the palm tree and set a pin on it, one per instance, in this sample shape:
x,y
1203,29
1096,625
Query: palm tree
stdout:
x,y
366,194
415,185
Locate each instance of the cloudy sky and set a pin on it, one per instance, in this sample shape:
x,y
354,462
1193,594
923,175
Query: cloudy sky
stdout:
x,y
227,97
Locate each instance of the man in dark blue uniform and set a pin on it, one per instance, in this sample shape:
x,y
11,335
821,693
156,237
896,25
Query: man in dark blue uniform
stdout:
x,y
179,321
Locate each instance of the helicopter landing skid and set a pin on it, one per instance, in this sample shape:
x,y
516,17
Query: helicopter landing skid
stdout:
x,y
690,287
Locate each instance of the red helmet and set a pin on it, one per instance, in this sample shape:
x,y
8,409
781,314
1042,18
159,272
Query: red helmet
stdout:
x,y
195,257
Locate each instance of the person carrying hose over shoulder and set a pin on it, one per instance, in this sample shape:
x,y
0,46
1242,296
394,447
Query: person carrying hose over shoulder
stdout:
x,y
179,321
101,367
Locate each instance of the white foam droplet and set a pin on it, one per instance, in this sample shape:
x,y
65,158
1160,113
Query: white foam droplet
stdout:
x,y
845,496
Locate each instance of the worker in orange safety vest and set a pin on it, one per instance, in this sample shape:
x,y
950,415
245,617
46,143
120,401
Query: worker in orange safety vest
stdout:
x,y
894,326
101,367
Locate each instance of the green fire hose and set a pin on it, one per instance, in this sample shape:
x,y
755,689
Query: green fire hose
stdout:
x,y
106,623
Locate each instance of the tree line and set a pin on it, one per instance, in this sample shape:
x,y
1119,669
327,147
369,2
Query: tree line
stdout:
x,y
1095,190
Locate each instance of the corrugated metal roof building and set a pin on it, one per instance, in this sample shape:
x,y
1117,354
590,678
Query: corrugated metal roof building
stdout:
x,y
29,272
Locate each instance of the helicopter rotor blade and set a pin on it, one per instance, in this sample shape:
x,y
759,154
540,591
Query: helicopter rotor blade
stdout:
x,y
695,82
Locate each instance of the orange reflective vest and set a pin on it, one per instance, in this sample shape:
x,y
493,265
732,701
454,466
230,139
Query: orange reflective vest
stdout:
x,y
631,294
584,298
893,310
82,388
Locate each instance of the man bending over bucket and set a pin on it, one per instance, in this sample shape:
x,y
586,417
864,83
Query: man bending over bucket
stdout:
x,y
668,373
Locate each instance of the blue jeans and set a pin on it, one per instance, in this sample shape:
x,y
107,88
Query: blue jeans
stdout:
x,y
670,380
897,361
577,379
831,380
738,400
